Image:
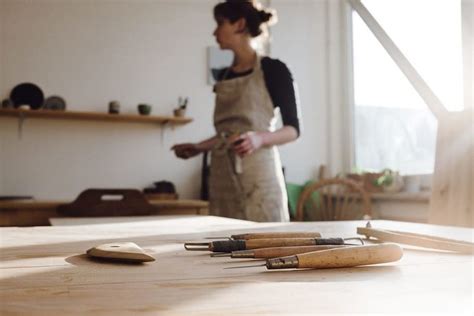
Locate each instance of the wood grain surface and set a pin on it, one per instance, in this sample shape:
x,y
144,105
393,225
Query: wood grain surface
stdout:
x,y
44,271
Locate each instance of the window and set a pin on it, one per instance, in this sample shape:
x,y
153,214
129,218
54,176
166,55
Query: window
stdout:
x,y
394,128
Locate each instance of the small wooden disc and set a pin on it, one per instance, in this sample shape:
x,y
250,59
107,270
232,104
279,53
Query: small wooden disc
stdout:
x,y
126,251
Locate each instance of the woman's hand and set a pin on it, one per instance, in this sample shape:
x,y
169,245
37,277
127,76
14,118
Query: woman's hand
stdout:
x,y
189,150
186,150
247,143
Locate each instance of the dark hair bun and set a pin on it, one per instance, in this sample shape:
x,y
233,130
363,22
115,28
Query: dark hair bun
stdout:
x,y
264,16
251,11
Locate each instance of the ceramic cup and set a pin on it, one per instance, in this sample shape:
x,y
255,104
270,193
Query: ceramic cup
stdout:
x,y
7,104
179,112
114,107
144,109
412,183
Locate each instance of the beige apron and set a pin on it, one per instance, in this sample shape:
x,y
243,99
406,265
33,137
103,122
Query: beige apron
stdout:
x,y
252,188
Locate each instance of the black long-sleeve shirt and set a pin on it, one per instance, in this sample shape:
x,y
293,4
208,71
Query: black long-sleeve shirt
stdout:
x,y
280,85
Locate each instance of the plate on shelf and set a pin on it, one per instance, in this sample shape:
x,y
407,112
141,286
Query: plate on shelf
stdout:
x,y
55,103
27,94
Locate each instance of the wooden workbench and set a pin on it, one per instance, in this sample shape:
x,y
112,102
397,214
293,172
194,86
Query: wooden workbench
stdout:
x,y
44,271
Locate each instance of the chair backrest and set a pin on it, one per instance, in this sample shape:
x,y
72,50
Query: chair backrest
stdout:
x,y
334,199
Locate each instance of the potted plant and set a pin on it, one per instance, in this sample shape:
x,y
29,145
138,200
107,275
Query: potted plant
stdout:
x,y
390,181
180,111
366,179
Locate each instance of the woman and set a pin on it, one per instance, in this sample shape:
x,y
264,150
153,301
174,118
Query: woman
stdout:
x,y
246,179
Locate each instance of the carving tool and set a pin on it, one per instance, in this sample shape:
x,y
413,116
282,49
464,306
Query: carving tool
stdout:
x,y
418,240
233,245
267,253
266,235
336,258
238,159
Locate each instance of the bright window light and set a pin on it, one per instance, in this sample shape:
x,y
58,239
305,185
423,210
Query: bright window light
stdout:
x,y
394,128
428,32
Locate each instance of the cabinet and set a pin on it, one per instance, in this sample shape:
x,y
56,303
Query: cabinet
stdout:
x,y
38,213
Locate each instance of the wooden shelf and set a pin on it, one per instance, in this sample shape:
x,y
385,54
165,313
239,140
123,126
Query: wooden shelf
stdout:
x,y
93,116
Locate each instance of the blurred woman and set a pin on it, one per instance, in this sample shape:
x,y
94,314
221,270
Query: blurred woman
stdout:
x,y
246,178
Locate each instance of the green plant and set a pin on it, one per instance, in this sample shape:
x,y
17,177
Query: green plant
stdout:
x,y
358,170
384,180
183,103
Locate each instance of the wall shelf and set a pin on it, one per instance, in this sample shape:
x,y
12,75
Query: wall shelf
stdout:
x,y
93,116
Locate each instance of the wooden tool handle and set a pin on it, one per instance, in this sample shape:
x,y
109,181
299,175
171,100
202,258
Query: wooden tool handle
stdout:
x,y
417,240
350,256
287,242
265,253
268,235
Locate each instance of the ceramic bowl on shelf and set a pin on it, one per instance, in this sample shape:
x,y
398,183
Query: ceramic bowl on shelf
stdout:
x,y
54,103
27,94
114,107
7,104
144,109
179,112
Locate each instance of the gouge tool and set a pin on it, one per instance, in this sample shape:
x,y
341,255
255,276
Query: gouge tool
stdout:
x,y
266,235
346,257
418,240
233,245
275,252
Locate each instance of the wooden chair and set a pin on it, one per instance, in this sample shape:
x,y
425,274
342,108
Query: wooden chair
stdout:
x,y
334,199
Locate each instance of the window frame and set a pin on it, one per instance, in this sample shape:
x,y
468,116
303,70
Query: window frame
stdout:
x,y
414,78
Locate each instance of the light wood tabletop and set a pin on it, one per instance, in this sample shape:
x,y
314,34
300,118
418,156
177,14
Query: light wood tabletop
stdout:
x,y
44,270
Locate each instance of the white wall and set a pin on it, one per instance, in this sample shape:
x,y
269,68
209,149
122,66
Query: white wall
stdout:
x,y
299,40
91,52
1,87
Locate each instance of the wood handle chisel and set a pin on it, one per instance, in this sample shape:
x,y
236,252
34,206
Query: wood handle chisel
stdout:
x,y
275,252
233,245
265,235
346,257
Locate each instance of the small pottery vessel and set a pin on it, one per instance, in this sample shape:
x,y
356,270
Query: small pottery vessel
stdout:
x,y
179,112
144,109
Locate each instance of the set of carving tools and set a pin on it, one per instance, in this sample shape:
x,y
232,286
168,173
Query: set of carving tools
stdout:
x,y
288,250
308,250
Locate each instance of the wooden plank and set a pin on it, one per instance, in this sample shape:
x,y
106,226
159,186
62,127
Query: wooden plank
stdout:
x,y
44,271
453,188
452,202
